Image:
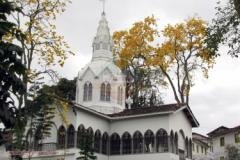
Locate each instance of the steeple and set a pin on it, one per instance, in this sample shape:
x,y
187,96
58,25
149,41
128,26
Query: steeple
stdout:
x,y
102,43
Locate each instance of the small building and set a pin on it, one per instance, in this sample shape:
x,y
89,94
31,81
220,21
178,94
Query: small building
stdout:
x,y
223,137
201,147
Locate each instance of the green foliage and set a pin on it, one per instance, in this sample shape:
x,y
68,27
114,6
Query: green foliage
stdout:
x,y
86,148
11,67
233,153
225,29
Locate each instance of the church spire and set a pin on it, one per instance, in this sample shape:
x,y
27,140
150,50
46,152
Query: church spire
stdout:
x,y
102,43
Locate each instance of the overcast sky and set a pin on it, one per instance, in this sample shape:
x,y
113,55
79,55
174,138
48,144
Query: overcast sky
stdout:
x,y
214,101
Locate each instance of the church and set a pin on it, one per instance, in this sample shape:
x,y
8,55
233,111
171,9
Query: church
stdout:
x,y
118,132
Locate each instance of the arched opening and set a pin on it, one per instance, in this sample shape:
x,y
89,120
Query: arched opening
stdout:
x,y
80,135
61,137
90,92
137,142
172,144
176,143
186,148
89,136
115,144
120,95
37,139
162,141
87,91
97,141
108,92
103,92
149,141
126,143
105,144
190,148
70,136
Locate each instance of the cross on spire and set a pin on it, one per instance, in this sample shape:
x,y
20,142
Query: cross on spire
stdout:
x,y
103,2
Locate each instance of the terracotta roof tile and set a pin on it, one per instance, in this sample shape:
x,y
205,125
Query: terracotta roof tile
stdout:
x,y
223,130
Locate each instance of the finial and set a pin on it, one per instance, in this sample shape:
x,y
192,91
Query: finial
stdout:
x,y
103,1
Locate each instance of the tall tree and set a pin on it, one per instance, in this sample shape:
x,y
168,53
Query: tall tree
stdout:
x,y
182,54
225,28
42,44
133,48
11,68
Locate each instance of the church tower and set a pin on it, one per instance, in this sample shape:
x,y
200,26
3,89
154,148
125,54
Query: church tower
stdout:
x,y
101,84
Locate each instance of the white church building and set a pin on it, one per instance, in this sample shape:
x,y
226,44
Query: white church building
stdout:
x,y
153,133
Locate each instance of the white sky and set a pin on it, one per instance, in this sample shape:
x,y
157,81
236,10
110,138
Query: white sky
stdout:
x,y
214,101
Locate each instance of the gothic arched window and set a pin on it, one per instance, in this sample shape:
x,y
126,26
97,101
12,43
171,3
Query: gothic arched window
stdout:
x,y
37,138
89,136
186,148
190,148
70,136
115,144
137,142
87,91
108,92
97,141
105,144
162,140
80,135
120,95
149,141
172,142
176,143
126,143
61,137
105,93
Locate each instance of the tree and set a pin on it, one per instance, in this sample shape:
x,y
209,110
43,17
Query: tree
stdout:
x,y
42,43
133,48
237,6
225,28
182,54
233,153
86,148
11,68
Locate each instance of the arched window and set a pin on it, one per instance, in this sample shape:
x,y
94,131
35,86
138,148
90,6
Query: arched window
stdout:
x,y
172,142
61,137
126,143
105,144
176,143
108,92
186,148
89,136
70,136
115,144
162,140
80,135
149,141
97,141
28,142
120,95
90,92
87,91
37,139
137,142
190,148
103,92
